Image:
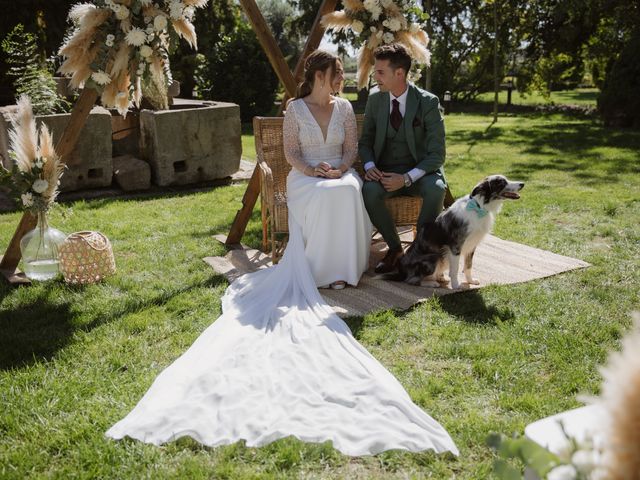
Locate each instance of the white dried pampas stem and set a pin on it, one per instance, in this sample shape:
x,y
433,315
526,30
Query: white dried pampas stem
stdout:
x,y
338,21
23,137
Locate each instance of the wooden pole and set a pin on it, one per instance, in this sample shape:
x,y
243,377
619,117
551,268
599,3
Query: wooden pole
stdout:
x,y
65,145
313,41
269,45
496,80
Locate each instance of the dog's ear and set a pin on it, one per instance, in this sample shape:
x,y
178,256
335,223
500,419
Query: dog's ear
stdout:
x,y
482,190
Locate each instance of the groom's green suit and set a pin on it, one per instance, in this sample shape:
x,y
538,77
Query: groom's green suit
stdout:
x,y
418,143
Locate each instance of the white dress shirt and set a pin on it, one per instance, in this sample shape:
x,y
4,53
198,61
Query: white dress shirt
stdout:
x,y
414,173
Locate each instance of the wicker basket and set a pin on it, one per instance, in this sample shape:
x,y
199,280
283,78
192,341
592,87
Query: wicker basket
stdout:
x,y
86,257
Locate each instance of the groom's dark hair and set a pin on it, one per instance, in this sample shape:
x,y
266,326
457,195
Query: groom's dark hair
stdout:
x,y
397,54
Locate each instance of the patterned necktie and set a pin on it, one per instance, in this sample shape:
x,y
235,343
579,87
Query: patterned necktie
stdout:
x,y
396,116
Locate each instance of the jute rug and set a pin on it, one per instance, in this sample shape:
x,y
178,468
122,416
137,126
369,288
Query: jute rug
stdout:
x,y
496,261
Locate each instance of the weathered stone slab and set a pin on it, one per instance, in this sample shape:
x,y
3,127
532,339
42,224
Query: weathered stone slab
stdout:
x,y
191,143
131,173
89,164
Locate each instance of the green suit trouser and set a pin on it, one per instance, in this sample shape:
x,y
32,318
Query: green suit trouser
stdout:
x,y
430,187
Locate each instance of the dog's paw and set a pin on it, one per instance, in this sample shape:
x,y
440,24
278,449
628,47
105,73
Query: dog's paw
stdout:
x,y
473,281
455,285
430,284
464,286
414,281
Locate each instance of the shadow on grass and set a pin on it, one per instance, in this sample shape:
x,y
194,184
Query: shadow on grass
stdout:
x,y
37,330
575,148
470,307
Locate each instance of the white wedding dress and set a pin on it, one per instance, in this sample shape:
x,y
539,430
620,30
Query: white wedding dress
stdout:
x,y
278,362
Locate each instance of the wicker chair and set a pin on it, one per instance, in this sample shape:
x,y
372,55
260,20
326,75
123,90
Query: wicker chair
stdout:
x,y
273,186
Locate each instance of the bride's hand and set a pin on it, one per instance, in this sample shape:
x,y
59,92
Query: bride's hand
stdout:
x,y
333,173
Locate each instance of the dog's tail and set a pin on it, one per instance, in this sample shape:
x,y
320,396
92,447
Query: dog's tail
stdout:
x,y
393,276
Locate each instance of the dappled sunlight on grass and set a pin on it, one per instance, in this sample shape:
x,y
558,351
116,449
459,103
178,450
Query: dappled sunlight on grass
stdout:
x,y
73,360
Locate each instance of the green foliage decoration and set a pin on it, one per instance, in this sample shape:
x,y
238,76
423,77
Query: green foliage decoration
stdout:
x,y
30,73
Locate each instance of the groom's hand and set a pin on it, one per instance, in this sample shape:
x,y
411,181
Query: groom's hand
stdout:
x,y
373,175
392,181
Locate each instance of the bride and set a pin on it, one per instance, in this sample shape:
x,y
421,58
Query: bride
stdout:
x,y
278,362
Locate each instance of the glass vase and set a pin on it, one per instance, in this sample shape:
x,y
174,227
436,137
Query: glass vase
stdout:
x,y
39,248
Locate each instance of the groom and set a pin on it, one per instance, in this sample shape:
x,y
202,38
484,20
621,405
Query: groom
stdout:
x,y
402,147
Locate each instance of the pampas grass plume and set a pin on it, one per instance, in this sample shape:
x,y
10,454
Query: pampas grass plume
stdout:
x,y
23,136
621,399
365,61
53,167
353,5
187,31
336,20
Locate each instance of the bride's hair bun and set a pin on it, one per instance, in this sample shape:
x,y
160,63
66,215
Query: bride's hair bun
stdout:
x,y
317,61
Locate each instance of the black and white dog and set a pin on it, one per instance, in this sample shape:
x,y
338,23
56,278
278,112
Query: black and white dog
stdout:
x,y
456,232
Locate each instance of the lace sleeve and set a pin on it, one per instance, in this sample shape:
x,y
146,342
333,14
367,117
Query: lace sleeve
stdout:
x,y
350,145
291,142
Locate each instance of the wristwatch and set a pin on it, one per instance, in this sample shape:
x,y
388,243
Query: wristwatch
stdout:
x,y
407,180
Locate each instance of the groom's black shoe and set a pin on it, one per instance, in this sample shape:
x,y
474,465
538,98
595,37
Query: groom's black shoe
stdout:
x,y
390,260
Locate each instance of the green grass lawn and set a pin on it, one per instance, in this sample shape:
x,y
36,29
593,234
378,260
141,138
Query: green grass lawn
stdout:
x,y
74,360
579,96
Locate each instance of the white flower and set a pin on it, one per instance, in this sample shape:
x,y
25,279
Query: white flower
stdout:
x,y
414,28
122,13
189,13
136,37
562,472
111,37
40,185
386,3
357,26
38,164
27,199
145,3
175,9
149,30
370,5
160,23
394,25
101,77
375,14
388,37
146,51
373,29
584,460
109,41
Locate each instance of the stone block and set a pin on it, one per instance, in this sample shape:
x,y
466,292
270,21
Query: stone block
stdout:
x,y
131,173
89,164
191,143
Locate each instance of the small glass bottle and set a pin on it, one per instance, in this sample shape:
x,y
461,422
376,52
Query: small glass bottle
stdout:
x,y
39,248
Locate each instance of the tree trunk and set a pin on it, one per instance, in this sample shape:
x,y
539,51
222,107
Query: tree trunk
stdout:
x,y
496,80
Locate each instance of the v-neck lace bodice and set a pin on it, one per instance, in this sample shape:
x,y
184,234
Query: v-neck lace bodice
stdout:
x,y
304,143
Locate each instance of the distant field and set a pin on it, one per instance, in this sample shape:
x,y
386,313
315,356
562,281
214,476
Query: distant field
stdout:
x,y
579,96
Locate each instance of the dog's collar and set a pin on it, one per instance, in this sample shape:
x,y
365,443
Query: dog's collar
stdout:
x,y
473,205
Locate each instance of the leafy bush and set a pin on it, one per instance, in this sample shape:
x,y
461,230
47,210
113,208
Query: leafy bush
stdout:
x,y
30,73
238,71
618,103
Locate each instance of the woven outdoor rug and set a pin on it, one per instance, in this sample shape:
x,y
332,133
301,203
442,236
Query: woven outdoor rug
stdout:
x,y
496,261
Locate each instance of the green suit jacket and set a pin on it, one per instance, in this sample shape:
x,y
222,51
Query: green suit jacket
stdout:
x,y
423,123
